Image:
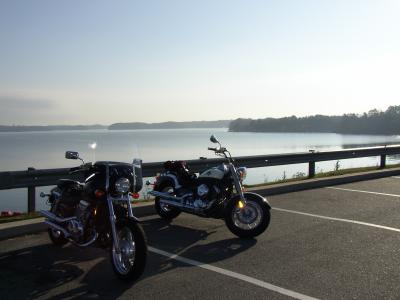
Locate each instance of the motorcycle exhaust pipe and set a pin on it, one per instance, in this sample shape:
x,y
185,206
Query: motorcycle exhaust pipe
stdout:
x,y
49,215
183,207
57,227
166,196
174,203
91,241
67,235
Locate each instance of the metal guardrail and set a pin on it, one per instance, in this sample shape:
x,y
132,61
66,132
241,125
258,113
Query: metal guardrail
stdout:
x,y
32,178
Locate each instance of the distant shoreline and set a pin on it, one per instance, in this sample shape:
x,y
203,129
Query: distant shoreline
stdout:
x,y
372,123
49,128
120,126
171,125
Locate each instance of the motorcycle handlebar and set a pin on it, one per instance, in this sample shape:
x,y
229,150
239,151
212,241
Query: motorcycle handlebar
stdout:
x,y
218,150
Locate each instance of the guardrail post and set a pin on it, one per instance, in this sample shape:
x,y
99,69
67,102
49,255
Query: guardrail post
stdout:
x,y
31,196
383,161
311,169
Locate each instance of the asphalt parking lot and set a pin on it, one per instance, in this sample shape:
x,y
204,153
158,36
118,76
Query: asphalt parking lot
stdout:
x,y
341,242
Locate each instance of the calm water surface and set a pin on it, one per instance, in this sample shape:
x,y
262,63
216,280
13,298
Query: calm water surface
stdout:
x,y
46,150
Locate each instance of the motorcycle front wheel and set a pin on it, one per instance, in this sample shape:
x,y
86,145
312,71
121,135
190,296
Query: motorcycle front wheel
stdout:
x,y
248,221
129,264
57,237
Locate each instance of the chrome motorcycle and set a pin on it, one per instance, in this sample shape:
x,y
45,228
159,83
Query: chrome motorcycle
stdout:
x,y
98,212
215,193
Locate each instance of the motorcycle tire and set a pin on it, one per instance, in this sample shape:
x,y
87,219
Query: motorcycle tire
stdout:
x,y
166,212
249,221
130,263
57,237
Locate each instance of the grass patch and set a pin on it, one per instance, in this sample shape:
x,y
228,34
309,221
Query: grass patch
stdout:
x,y
142,201
278,181
323,175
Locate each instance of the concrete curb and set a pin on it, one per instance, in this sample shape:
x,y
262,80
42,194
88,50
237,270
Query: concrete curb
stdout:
x,y
14,229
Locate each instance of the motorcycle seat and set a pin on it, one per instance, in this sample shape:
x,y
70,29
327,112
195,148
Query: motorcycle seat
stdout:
x,y
180,169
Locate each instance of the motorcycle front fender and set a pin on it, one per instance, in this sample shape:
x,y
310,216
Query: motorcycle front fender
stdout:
x,y
135,219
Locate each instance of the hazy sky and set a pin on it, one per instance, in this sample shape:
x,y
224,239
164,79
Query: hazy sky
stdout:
x,y
85,62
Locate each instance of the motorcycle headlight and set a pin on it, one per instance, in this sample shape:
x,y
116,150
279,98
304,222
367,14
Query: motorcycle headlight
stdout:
x,y
242,173
122,185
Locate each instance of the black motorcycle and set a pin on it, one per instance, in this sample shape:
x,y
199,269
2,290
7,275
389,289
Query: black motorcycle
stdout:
x,y
216,193
99,212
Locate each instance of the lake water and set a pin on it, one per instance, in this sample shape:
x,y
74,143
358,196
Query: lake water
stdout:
x,y
18,151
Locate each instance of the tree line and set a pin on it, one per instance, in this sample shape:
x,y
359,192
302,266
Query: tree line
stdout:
x,y
374,122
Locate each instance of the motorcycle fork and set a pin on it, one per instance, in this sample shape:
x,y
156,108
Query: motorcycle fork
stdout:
x,y
130,211
236,182
113,221
111,212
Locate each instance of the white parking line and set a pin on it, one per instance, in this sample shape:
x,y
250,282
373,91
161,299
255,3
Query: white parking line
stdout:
x,y
398,177
337,219
359,191
235,275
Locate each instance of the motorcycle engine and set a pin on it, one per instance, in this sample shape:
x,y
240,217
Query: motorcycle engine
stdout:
x,y
201,199
200,196
70,195
205,195
202,190
82,212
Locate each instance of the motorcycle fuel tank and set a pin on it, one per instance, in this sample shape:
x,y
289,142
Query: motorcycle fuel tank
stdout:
x,y
215,173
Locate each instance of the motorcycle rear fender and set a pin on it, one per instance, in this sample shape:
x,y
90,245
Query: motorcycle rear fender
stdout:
x,y
252,195
170,178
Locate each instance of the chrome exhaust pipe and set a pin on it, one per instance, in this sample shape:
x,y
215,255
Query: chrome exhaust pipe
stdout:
x,y
184,207
49,215
67,235
57,227
166,196
92,240
174,203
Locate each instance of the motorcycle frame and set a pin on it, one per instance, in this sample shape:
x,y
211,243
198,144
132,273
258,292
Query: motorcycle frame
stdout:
x,y
110,205
233,174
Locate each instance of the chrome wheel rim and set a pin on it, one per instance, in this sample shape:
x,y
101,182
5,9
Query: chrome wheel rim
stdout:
x,y
124,260
248,217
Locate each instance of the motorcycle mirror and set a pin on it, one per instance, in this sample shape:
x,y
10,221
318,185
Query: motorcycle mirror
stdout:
x,y
71,155
214,140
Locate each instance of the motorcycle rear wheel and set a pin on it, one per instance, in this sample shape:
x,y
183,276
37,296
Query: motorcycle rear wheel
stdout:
x,y
249,221
166,212
130,263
